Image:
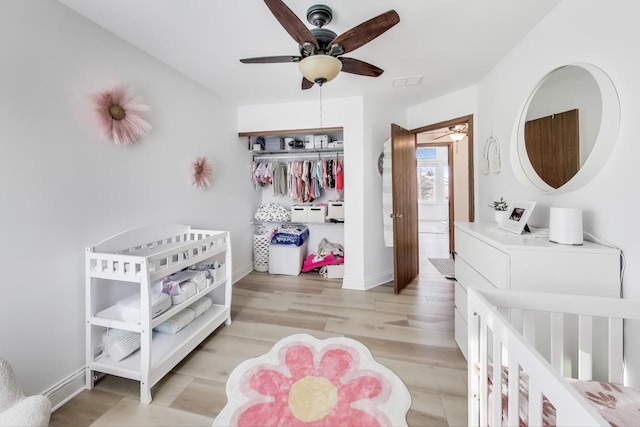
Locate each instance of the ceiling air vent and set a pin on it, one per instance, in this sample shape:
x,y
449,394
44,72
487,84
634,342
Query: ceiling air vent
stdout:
x,y
407,81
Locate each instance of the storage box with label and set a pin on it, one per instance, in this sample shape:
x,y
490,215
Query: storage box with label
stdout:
x,y
299,213
321,141
274,143
309,141
316,213
335,210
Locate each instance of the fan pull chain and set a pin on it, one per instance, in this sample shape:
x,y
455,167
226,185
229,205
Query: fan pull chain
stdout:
x,y
320,106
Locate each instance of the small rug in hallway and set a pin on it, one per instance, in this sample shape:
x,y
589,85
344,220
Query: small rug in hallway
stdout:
x,y
446,266
304,381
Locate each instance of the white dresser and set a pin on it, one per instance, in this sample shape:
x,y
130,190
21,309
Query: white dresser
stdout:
x,y
489,257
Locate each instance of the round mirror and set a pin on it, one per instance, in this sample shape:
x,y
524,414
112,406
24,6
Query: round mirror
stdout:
x,y
567,128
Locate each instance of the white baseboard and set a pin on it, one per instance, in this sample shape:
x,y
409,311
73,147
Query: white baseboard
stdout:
x,y
380,279
367,283
242,272
66,389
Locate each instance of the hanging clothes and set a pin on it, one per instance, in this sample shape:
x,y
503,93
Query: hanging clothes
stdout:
x,y
280,180
300,180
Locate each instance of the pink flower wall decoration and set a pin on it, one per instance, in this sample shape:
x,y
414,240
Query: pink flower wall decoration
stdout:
x,y
121,114
202,169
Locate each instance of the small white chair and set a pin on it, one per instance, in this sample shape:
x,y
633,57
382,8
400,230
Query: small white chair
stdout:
x,y
15,408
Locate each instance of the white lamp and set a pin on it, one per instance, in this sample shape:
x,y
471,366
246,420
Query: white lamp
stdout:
x,y
320,68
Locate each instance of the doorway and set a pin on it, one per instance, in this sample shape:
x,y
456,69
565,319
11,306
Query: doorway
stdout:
x,y
450,146
432,162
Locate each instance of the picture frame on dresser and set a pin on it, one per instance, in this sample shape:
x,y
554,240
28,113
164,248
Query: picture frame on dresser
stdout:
x,y
518,214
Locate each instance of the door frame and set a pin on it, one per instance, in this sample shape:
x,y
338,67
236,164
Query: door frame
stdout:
x,y
468,119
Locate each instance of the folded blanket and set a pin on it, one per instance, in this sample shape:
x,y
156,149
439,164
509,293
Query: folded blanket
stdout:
x,y
176,322
201,306
314,261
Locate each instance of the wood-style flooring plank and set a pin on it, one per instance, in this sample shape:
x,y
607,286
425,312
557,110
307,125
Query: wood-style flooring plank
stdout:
x,y
360,315
393,333
309,321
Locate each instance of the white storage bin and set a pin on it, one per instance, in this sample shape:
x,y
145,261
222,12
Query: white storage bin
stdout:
x,y
335,210
333,271
316,213
287,259
218,273
299,213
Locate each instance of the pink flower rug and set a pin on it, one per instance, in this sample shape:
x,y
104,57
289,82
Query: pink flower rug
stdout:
x,y
304,381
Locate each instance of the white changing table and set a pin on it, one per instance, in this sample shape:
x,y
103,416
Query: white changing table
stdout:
x,y
131,262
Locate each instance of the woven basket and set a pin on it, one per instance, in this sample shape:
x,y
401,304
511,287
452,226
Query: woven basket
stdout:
x,y
261,241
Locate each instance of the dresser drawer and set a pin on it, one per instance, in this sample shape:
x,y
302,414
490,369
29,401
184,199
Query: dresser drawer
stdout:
x,y
489,262
461,333
461,298
467,276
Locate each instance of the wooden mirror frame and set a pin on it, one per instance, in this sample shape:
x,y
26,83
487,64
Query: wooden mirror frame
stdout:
x,y
602,147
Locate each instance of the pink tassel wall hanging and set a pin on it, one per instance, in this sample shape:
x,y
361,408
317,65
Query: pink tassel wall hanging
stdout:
x,y
201,172
121,114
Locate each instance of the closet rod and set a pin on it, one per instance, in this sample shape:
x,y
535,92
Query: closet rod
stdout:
x,y
306,156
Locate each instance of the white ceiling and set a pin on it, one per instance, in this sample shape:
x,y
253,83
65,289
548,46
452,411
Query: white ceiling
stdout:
x,y
452,43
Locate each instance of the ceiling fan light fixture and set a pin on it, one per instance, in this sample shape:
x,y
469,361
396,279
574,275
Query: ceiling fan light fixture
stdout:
x,y
320,68
457,136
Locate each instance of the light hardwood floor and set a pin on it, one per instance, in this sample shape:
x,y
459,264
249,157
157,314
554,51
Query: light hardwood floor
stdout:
x,y
410,333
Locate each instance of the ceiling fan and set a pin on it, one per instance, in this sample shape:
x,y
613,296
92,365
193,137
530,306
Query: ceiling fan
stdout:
x,y
456,132
320,49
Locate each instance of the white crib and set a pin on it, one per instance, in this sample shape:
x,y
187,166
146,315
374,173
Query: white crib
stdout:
x,y
495,341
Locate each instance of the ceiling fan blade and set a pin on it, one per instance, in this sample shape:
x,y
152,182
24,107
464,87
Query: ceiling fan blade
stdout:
x,y
306,84
355,66
367,31
442,136
270,59
294,26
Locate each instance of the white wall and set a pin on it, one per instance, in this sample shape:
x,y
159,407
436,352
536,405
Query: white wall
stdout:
x,y
63,188
378,261
600,33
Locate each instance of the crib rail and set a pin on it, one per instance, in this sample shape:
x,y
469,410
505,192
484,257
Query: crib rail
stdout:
x,y
495,342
